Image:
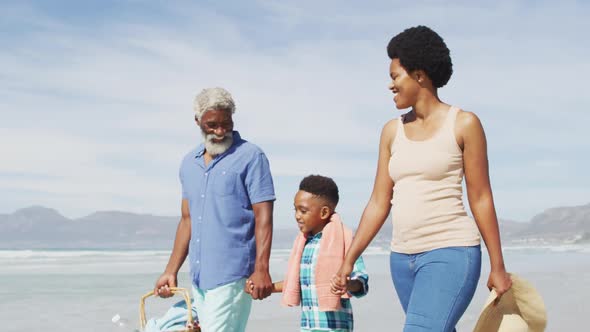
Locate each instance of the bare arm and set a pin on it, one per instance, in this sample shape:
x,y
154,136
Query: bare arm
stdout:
x,y
178,255
479,194
379,204
263,234
375,212
181,241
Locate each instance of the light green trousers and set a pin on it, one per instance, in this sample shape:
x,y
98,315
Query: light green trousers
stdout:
x,y
223,309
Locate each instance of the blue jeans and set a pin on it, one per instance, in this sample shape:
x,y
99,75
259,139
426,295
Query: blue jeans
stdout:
x,y
435,287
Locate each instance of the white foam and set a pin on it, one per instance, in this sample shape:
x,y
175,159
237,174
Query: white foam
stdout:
x,y
373,251
585,248
42,254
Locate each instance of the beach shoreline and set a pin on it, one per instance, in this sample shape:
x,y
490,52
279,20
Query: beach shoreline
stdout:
x,y
81,290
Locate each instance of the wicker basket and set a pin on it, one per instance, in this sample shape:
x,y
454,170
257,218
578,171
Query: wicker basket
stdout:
x,y
174,290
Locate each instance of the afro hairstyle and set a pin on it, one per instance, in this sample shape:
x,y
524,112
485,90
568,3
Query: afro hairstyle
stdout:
x,y
420,48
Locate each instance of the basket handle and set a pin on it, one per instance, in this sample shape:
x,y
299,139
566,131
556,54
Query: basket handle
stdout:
x,y
174,290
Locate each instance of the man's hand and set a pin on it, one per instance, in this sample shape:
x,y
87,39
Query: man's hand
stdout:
x,y
259,285
339,282
164,283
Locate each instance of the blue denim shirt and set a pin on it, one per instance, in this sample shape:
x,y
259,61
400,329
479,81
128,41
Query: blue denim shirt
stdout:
x,y
222,247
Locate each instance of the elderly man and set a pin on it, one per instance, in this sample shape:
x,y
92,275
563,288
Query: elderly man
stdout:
x,y
226,223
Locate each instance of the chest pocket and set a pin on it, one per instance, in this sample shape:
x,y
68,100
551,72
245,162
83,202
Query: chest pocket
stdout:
x,y
224,182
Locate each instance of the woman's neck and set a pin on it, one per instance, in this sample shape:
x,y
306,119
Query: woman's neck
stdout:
x,y
427,104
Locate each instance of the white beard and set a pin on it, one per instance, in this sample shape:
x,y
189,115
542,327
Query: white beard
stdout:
x,y
214,148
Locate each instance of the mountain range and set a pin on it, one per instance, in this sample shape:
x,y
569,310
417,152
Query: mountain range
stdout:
x,y
40,227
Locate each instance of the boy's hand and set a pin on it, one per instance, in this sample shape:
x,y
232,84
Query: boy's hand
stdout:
x,y
249,286
354,286
261,285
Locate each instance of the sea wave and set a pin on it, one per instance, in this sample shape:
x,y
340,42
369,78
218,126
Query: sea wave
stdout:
x,y
44,254
280,254
582,248
56,254
283,254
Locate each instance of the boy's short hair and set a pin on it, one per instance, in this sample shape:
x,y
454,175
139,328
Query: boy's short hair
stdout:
x,y
321,186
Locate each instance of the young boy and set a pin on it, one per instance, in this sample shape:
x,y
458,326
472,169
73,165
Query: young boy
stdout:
x,y
316,256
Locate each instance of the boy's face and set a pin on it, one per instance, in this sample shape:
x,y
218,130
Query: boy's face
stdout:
x,y
311,212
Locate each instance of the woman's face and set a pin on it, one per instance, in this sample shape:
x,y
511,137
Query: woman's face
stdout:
x,y
403,85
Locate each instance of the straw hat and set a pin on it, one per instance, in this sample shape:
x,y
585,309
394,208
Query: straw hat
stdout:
x,y
520,309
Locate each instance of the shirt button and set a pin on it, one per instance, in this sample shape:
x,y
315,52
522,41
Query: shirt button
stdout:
x,y
198,262
200,217
206,174
202,195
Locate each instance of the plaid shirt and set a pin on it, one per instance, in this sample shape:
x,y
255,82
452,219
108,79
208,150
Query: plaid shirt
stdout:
x,y
311,316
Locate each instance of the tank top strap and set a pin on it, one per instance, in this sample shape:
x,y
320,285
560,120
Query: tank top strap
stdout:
x,y
399,134
400,126
448,135
451,118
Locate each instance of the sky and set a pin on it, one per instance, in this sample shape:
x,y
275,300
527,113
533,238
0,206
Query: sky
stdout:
x,y
96,96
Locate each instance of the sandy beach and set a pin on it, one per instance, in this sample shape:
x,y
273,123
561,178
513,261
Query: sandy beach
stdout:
x,y
560,276
82,290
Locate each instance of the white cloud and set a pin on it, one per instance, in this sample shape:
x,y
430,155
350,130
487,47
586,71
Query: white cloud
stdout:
x,y
106,112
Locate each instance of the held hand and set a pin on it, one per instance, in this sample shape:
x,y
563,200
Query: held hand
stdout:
x,y
339,282
248,286
259,285
164,283
500,281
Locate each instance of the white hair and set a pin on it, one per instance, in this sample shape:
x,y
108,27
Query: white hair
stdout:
x,y
213,99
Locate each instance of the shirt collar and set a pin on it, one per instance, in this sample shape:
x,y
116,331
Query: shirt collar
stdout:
x,y
316,237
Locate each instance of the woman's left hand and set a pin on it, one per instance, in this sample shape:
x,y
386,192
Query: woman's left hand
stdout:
x,y
500,281
339,282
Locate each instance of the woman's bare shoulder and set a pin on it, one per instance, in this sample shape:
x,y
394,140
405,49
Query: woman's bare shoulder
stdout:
x,y
467,121
468,128
389,131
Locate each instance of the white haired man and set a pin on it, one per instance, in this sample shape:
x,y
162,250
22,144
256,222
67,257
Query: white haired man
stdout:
x,y
226,223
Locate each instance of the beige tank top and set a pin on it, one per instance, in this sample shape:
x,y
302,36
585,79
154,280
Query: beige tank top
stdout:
x,y
427,206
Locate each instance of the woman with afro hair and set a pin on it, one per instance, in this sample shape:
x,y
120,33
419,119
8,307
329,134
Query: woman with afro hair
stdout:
x,y
424,154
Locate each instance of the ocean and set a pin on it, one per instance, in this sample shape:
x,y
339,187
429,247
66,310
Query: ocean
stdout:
x,y
81,290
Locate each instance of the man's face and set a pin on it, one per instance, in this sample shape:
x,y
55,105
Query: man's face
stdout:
x,y
216,128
